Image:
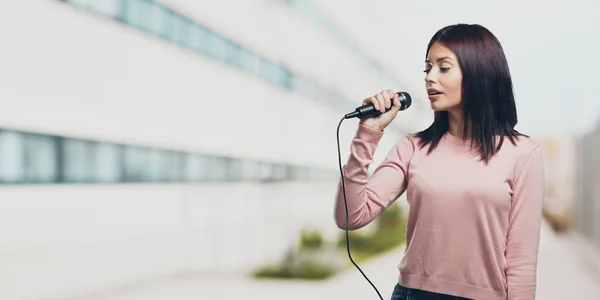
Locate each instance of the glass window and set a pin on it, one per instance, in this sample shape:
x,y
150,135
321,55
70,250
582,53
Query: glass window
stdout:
x,y
234,169
145,14
35,158
181,31
286,77
158,165
77,160
298,173
164,166
196,168
137,164
107,163
175,166
199,38
266,171
109,8
280,172
217,168
41,157
251,170
304,87
132,12
233,53
12,159
157,19
160,21
217,46
82,3
268,71
139,14
248,60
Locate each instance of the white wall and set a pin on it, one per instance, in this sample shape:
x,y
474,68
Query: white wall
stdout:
x,y
90,77
65,240
69,73
560,163
283,33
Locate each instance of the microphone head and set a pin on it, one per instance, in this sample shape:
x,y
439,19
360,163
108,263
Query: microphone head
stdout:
x,y
405,100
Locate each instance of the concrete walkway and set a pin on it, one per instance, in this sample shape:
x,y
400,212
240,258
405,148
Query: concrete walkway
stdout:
x,y
563,274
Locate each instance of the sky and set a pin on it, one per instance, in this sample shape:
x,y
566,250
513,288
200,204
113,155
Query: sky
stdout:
x,y
551,50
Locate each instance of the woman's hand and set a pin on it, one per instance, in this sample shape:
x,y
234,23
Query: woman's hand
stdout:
x,y
382,101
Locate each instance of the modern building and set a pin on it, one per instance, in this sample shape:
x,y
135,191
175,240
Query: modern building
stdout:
x,y
561,167
587,209
143,138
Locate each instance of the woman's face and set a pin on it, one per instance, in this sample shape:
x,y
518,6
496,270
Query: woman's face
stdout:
x,y
443,79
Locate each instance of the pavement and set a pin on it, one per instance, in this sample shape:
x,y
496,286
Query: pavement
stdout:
x,y
567,269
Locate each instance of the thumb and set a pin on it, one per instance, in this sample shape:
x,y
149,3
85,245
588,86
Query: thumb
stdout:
x,y
396,106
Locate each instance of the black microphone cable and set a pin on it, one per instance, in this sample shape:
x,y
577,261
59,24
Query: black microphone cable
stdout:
x,y
346,205
365,111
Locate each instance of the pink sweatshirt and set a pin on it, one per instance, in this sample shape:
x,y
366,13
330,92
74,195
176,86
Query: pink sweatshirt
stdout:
x,y
473,229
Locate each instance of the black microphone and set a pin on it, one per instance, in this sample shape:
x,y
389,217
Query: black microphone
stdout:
x,y
368,110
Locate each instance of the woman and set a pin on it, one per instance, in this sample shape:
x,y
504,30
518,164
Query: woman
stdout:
x,y
474,184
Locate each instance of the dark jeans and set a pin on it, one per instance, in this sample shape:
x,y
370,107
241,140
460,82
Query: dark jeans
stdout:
x,y
404,293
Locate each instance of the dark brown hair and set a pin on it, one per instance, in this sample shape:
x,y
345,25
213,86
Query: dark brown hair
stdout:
x,y
487,91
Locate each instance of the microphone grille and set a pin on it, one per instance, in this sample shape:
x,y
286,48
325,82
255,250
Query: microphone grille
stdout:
x,y
405,100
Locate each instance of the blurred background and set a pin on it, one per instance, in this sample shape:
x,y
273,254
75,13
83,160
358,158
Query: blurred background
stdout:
x,y
186,149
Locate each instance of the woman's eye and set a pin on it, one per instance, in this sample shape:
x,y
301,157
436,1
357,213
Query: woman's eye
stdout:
x,y
444,69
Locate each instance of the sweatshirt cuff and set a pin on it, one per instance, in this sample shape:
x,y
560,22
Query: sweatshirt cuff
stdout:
x,y
368,135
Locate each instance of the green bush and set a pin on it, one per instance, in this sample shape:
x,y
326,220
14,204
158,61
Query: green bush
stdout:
x,y
389,233
313,259
309,270
309,260
311,239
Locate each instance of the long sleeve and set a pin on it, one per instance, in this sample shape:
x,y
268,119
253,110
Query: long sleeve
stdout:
x,y
525,219
368,197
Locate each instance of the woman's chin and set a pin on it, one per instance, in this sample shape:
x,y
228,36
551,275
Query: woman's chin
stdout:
x,y
443,106
436,106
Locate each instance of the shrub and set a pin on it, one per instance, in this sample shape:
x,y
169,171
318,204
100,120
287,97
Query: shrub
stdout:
x,y
310,260
388,234
311,239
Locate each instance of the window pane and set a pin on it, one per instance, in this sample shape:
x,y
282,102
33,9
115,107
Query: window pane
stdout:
x,y
157,165
268,71
217,46
196,168
160,19
234,169
107,163
12,160
41,153
137,164
233,54
266,171
82,3
164,166
132,12
174,166
77,161
199,39
181,31
145,14
248,61
109,8
217,169
279,172
299,173
286,77
250,170
138,14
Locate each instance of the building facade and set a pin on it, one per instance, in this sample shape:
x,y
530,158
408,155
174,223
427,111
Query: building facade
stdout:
x,y
144,138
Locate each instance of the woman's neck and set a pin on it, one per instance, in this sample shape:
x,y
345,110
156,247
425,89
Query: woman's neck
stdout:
x,y
456,124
